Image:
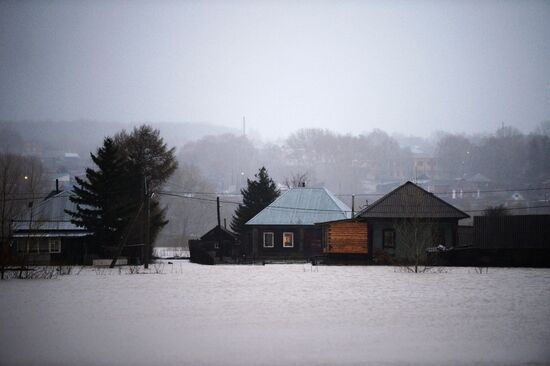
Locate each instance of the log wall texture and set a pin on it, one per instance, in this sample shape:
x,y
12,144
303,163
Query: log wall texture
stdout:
x,y
346,237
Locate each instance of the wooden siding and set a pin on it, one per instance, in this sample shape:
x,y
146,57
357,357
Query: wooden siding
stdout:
x,y
346,237
521,231
307,242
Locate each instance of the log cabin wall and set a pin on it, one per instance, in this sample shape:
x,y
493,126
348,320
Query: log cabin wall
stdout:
x,y
307,242
447,227
73,250
346,237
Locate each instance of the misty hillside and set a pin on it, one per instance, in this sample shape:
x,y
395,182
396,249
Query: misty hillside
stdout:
x,y
83,136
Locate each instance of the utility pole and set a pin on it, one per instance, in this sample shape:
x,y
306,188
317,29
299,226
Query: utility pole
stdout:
x,y
352,205
28,242
122,243
147,224
30,205
219,228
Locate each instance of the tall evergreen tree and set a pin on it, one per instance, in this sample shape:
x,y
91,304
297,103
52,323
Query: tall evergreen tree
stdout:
x,y
110,197
147,154
257,195
149,162
102,204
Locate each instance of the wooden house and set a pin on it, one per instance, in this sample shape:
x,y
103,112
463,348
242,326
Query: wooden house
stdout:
x,y
286,229
386,229
214,246
410,215
44,234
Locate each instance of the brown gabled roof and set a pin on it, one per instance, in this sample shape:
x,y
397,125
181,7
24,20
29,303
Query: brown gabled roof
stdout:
x,y
409,200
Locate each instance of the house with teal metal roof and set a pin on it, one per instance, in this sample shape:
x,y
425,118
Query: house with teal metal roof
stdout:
x,y
45,234
286,229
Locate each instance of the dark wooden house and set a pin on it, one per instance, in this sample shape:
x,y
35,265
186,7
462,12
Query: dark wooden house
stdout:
x,y
410,214
44,234
386,229
286,229
214,246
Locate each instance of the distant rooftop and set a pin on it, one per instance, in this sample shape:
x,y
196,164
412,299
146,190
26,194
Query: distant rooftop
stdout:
x,y
49,216
302,206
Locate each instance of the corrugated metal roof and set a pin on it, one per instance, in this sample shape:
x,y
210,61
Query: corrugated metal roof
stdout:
x,y
302,206
49,215
411,201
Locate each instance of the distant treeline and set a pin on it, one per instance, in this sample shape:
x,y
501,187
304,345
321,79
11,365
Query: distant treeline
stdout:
x,y
347,163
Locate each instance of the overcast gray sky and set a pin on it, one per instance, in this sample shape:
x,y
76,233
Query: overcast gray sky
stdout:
x,y
350,66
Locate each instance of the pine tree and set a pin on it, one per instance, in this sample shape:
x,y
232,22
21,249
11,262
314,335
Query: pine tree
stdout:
x,y
102,204
148,158
258,194
110,197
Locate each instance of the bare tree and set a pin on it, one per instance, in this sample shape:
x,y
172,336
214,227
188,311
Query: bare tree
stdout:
x,y
20,182
498,210
416,233
296,180
10,176
416,236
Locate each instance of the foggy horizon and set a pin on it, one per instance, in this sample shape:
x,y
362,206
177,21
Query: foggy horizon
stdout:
x,y
409,68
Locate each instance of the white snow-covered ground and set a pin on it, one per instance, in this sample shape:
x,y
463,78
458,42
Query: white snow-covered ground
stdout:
x,y
278,315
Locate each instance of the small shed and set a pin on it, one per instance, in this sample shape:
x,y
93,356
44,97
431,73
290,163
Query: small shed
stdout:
x,y
217,244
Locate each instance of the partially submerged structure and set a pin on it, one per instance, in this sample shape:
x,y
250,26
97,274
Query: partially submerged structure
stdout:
x,y
286,229
410,218
508,240
214,246
44,233
407,219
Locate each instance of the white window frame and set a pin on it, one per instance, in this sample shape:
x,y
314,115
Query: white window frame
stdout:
x,y
291,242
55,242
272,239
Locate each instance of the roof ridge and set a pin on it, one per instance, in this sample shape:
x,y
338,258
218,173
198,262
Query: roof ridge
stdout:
x,y
378,201
419,189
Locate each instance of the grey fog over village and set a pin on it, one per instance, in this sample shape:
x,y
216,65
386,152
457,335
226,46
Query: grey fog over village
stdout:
x,y
274,182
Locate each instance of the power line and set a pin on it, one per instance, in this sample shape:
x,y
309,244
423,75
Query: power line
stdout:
x,y
187,195
326,210
457,192
511,208
41,195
